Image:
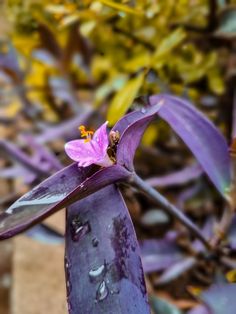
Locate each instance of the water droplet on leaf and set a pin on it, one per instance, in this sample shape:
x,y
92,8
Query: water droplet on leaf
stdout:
x,y
79,229
95,242
102,291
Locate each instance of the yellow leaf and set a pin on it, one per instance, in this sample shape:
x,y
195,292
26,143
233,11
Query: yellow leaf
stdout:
x,y
120,7
138,62
215,81
12,109
231,275
150,135
123,99
168,44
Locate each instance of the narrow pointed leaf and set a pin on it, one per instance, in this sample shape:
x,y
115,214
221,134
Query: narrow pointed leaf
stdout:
x,y
121,7
132,135
124,99
204,140
58,191
102,262
176,270
179,177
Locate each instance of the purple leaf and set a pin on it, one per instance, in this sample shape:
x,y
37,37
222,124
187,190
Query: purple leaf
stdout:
x,y
179,177
207,231
200,135
16,172
200,309
187,194
128,119
60,190
42,153
176,270
12,151
220,298
159,254
102,262
9,62
45,234
132,135
232,234
65,129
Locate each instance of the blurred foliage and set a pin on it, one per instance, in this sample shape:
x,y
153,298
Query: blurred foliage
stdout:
x,y
110,51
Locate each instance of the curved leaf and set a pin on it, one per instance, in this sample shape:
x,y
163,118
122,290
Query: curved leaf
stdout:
x,y
201,136
103,267
132,135
60,190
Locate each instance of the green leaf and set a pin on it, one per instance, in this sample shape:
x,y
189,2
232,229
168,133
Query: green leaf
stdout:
x,y
227,23
124,99
160,306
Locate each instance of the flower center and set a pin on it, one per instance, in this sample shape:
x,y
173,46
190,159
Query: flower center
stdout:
x,y
84,133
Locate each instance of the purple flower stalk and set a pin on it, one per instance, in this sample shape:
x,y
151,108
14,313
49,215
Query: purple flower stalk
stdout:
x,y
92,150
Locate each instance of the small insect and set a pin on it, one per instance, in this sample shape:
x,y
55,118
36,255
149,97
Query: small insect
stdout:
x,y
114,138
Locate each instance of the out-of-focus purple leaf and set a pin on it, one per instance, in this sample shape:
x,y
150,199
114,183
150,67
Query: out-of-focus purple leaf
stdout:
x,y
16,172
179,177
161,306
60,190
65,129
220,298
176,270
200,309
13,152
159,254
200,135
187,194
232,234
44,57
42,154
132,135
207,231
9,62
44,234
102,262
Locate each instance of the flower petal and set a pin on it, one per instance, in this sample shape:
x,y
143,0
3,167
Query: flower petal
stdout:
x,y
85,154
101,137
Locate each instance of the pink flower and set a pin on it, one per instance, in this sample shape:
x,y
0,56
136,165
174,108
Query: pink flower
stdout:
x,y
92,150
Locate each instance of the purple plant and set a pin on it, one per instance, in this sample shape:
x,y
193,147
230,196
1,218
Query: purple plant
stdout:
x,y
103,268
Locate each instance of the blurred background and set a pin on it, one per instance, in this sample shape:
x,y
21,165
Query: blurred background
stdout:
x,y
67,63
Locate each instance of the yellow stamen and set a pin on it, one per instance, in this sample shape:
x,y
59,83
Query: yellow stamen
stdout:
x,y
87,134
